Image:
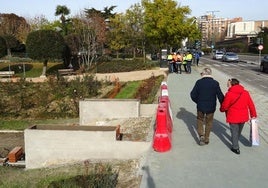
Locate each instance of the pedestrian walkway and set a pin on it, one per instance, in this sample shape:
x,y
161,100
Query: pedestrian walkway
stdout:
x,y
188,165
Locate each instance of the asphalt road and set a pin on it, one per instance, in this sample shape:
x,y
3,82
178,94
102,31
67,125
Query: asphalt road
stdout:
x,y
247,71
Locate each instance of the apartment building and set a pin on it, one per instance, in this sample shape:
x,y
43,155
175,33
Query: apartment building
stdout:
x,y
215,29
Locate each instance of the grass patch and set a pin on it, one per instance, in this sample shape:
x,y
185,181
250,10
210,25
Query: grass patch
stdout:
x,y
128,90
20,125
13,124
78,175
30,70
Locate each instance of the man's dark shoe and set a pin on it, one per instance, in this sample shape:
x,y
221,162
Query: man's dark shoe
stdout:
x,y
207,142
236,151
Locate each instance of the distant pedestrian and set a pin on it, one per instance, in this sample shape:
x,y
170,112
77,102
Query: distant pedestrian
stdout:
x,y
196,57
205,93
189,59
238,107
184,63
179,62
174,61
170,63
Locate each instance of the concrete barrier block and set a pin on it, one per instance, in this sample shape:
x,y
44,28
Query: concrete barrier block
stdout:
x,y
47,145
93,110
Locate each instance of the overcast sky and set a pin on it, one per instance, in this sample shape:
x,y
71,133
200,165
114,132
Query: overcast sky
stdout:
x,y
247,9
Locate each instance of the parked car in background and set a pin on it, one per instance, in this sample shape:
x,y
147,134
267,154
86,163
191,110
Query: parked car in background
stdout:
x,y
217,55
230,57
264,64
201,53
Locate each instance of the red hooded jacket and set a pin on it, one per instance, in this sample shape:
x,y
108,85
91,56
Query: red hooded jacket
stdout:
x,y
238,105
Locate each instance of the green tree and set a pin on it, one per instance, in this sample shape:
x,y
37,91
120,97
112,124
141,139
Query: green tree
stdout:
x,y
63,11
263,35
106,13
45,45
134,27
41,23
166,24
38,22
117,33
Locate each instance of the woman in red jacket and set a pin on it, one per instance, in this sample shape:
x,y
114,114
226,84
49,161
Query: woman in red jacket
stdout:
x,y
239,108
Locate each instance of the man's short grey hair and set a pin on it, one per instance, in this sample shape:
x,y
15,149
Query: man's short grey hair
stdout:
x,y
206,71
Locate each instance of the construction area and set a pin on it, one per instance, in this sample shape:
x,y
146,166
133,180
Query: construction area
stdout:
x,y
99,134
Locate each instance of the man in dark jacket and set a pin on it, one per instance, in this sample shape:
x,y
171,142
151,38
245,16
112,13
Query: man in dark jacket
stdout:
x,y
205,93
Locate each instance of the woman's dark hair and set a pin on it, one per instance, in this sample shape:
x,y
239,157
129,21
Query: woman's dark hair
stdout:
x,y
234,81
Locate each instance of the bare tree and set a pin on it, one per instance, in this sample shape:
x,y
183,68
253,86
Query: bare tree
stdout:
x,y
38,22
91,33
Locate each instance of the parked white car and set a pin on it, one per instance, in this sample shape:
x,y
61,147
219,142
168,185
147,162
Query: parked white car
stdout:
x,y
217,55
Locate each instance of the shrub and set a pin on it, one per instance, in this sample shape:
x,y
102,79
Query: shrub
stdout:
x,y
52,99
124,66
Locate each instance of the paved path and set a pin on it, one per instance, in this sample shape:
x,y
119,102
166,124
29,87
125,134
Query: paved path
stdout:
x,y
122,76
188,165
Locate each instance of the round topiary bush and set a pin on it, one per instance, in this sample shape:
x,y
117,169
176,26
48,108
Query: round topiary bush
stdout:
x,y
45,45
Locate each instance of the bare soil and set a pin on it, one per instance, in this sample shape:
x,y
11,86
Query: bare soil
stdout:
x,y
136,129
9,140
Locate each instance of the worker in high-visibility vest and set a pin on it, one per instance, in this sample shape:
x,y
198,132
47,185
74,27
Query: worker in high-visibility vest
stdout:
x,y
189,58
170,64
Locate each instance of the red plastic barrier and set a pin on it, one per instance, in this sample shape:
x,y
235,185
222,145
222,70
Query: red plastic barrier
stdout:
x,y
164,102
164,90
164,86
162,136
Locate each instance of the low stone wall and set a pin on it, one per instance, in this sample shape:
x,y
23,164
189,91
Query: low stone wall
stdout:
x,y
93,110
50,145
94,138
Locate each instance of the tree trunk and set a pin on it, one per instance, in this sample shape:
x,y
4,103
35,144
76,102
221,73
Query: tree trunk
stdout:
x,y
9,52
44,68
117,54
134,52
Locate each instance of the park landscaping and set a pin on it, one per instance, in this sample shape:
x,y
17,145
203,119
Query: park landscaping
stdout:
x,y
56,101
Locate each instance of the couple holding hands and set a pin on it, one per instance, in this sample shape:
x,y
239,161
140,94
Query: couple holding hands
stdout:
x,y
237,105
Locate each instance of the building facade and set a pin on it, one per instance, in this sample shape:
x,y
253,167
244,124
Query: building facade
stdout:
x,y
215,30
